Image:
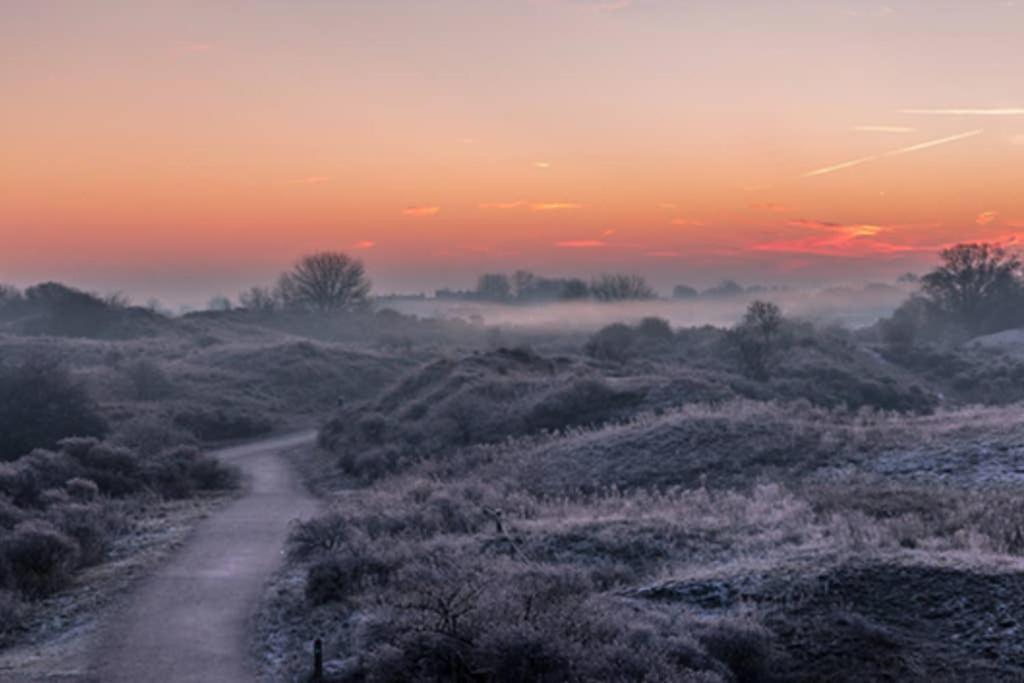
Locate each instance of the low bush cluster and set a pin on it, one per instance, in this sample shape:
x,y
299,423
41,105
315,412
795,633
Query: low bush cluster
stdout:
x,y
58,512
220,424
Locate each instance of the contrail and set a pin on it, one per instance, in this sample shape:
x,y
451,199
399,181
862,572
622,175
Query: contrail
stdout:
x,y
934,143
838,167
893,153
965,112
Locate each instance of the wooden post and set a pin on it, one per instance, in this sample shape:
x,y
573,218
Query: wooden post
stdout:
x,y
318,660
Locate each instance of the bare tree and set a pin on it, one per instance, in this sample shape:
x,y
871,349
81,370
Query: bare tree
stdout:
x,y
326,281
975,285
258,300
621,287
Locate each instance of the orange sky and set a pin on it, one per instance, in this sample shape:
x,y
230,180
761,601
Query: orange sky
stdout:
x,y
188,147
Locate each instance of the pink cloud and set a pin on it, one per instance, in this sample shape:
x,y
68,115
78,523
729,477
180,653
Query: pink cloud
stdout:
x,y
581,244
364,244
986,217
554,206
848,241
422,210
687,222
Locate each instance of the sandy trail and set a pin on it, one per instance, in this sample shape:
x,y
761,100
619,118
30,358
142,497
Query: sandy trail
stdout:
x,y
188,621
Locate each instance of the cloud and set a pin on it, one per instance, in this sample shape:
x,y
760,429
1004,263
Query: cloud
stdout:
x,y
894,152
581,244
813,224
664,254
986,217
966,112
501,205
422,210
541,164
364,244
609,232
686,222
885,129
554,206
769,206
842,241
667,205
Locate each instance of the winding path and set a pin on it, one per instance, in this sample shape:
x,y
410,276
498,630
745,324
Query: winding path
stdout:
x,y
188,621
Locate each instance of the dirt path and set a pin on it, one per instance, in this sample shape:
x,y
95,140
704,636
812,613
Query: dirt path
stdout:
x,y
188,621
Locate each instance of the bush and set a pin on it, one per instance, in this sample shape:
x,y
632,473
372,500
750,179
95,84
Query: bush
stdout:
x,y
39,557
150,435
220,424
614,342
148,380
180,472
12,611
39,405
88,525
656,330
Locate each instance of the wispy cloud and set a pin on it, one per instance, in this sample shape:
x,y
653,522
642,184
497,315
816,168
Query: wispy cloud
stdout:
x,y
1009,111
422,210
364,244
541,164
986,217
667,206
769,206
501,205
885,129
581,244
554,206
843,241
686,222
892,153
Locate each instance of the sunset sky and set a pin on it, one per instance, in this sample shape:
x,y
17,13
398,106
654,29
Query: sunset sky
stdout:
x,y
191,147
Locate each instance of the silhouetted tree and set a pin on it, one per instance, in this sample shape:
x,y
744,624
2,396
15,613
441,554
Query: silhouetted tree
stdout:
x,y
574,289
724,289
755,338
327,281
978,286
258,299
493,287
621,287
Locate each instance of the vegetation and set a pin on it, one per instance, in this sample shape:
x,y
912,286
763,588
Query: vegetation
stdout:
x,y
327,281
40,404
62,509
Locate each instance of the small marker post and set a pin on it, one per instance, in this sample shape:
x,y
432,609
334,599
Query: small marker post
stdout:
x,y
318,660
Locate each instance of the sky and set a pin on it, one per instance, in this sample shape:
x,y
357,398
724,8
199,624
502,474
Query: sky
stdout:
x,y
186,148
